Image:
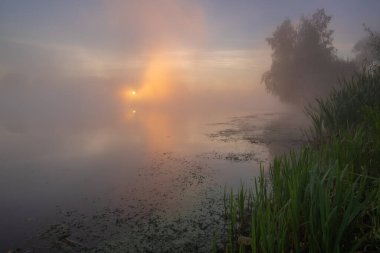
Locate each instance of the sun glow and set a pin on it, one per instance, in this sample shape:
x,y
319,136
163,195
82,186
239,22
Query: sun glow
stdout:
x,y
129,95
157,78
156,82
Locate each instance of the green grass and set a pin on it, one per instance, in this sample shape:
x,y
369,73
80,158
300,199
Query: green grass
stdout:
x,y
325,197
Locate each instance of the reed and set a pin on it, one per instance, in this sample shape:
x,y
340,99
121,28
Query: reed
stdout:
x,y
326,196
225,201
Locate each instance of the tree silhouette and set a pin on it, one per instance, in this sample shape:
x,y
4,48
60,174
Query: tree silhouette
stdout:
x,y
304,60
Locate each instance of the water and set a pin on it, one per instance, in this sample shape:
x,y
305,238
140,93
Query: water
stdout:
x,y
150,181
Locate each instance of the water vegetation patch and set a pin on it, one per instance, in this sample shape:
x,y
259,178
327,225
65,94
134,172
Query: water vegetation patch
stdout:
x,y
231,156
324,197
176,210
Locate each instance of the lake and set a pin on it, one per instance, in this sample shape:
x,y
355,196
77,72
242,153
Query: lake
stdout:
x,y
151,181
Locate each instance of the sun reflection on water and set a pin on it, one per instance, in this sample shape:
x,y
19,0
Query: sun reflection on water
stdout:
x,y
152,98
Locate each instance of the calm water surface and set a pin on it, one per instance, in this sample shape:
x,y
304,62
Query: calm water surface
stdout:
x,y
151,181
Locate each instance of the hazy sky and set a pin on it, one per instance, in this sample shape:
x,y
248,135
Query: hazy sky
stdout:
x,y
69,57
92,85
110,25
107,34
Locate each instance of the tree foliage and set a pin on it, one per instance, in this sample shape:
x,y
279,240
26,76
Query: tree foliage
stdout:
x,y
368,49
304,60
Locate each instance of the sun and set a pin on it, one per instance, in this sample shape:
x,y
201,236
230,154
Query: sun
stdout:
x,y
133,93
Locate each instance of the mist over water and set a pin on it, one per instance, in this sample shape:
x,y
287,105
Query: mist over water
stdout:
x,y
126,119
72,141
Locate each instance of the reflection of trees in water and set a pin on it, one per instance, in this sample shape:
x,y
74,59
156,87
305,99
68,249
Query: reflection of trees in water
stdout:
x,y
285,133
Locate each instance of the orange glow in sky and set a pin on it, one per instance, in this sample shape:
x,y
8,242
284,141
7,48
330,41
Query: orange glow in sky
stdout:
x,y
157,78
156,85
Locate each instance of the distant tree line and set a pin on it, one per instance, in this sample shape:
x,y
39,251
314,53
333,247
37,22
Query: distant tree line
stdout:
x,y
305,64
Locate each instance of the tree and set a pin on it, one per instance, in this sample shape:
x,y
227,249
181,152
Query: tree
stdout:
x,y
368,49
304,60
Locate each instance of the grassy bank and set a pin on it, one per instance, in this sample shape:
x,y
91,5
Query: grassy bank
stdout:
x,y
325,197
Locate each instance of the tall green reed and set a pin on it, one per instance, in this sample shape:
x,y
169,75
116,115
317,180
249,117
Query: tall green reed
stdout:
x,y
325,197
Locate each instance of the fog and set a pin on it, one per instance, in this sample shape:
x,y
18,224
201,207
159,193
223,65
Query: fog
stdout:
x,y
49,86
115,71
83,80
95,93
116,66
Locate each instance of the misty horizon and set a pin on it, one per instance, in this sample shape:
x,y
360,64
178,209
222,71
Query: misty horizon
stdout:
x,y
148,108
